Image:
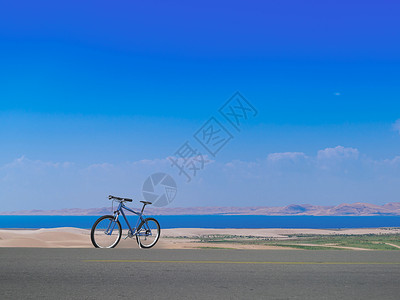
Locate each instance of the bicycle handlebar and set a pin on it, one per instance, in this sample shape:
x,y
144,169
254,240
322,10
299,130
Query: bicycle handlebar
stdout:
x,y
119,198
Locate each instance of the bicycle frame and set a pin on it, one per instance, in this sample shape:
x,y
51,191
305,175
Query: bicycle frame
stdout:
x,y
120,210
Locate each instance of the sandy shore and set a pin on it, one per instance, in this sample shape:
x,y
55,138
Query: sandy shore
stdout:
x,y
179,238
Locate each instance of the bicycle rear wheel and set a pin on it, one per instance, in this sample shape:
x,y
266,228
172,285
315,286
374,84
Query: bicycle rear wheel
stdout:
x,y
148,233
106,232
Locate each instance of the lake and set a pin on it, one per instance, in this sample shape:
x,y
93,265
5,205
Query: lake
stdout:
x,y
212,221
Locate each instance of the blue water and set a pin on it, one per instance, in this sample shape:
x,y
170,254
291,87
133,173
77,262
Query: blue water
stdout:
x,y
211,221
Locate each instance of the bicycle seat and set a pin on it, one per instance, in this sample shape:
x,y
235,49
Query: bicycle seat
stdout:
x,y
146,202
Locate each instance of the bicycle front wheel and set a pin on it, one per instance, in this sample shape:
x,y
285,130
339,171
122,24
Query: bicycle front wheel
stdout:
x,y
148,233
106,232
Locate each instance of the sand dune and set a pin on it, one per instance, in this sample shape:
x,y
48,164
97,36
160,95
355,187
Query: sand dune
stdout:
x,y
170,238
47,238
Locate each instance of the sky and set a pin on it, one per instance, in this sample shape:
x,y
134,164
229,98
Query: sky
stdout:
x,y
97,96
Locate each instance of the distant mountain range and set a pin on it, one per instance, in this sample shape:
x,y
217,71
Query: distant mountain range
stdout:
x,y
355,209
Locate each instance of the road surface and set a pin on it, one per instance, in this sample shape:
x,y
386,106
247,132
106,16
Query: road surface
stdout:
x,y
33,273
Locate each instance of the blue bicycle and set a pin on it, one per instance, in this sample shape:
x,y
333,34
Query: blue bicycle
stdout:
x,y
107,231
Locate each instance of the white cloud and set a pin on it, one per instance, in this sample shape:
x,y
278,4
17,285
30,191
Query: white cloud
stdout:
x,y
332,174
393,162
152,162
241,164
340,159
338,153
273,157
101,166
23,162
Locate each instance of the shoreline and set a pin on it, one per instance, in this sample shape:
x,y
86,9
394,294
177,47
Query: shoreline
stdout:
x,y
185,238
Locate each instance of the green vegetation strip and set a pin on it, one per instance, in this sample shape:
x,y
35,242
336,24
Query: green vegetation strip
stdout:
x,y
315,242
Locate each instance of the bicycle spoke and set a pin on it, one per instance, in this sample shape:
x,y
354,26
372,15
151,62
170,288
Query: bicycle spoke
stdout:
x,y
148,233
106,233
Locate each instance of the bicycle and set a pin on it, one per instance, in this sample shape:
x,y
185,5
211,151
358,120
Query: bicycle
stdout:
x,y
107,231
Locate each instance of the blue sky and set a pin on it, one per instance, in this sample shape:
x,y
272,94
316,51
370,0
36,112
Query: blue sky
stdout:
x,y
95,96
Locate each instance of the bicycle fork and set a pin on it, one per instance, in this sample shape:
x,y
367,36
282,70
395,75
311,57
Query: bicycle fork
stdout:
x,y
111,227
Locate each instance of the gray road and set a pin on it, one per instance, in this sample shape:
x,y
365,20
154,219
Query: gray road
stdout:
x,y
198,274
